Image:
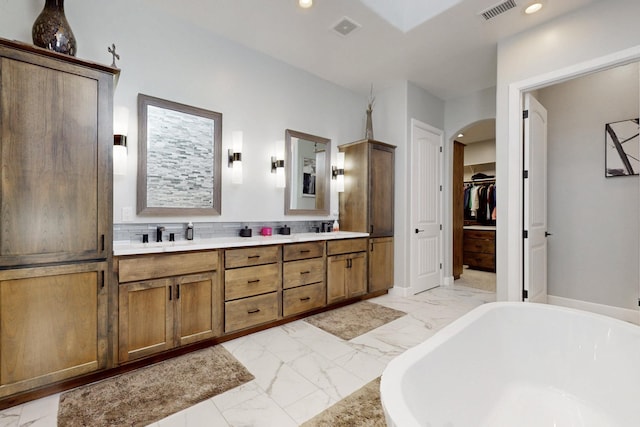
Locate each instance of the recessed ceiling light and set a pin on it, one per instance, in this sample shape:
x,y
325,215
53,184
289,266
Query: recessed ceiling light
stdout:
x,y
305,4
533,8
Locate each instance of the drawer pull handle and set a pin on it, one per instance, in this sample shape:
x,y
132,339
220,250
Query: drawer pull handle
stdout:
x,y
254,256
254,311
305,251
253,281
305,299
305,272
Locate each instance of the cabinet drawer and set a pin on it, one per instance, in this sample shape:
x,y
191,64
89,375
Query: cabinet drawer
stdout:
x,y
481,246
157,266
248,312
480,234
478,260
295,251
303,299
249,281
246,257
346,246
298,273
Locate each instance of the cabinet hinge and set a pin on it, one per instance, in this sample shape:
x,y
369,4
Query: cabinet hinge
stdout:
x,y
525,114
525,234
525,174
525,294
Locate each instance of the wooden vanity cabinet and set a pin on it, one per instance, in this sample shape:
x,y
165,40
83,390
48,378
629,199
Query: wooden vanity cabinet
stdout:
x,y
56,139
346,269
252,286
367,203
380,264
53,324
158,313
303,277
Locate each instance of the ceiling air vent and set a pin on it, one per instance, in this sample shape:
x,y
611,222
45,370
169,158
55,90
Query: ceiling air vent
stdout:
x,y
345,26
497,9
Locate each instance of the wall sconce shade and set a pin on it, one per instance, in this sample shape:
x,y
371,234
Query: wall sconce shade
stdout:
x,y
235,157
120,129
277,167
337,172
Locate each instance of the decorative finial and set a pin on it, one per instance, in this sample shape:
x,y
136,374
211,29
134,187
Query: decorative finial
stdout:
x,y
112,51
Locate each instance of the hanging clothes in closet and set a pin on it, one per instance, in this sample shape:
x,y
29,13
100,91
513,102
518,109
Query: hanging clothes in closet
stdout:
x,y
480,202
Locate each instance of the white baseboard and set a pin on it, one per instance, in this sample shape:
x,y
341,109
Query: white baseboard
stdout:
x,y
397,291
628,315
448,281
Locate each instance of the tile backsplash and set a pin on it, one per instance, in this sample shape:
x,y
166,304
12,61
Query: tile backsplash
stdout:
x,y
206,230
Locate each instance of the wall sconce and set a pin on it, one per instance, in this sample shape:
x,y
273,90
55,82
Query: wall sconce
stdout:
x,y
337,172
235,157
277,166
120,130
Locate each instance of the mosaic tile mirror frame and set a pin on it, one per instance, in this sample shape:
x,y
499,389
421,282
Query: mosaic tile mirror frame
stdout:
x,y
179,158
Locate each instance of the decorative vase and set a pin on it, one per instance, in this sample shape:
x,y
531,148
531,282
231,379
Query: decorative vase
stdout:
x,y
52,31
368,133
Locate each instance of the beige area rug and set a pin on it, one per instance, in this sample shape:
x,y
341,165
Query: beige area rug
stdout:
x,y
149,394
354,320
361,408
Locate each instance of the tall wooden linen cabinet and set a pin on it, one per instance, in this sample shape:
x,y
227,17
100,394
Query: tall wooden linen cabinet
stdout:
x,y
366,205
56,137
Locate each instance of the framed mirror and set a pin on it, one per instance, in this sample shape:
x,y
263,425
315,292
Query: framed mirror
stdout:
x,y
308,170
179,158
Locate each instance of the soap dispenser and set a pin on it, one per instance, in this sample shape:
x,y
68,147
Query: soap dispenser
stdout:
x,y
190,231
336,226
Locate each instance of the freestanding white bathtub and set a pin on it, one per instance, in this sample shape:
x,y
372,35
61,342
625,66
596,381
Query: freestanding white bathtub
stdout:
x,y
518,364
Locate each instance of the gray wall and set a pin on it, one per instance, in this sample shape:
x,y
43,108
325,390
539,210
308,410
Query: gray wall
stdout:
x,y
166,58
594,250
599,33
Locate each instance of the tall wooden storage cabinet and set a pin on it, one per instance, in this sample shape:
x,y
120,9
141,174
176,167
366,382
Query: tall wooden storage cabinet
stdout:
x,y
55,215
367,204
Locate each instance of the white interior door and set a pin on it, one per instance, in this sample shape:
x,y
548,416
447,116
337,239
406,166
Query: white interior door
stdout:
x,y
425,199
535,201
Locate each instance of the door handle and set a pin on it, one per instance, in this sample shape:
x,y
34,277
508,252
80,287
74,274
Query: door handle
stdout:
x,y
419,231
547,234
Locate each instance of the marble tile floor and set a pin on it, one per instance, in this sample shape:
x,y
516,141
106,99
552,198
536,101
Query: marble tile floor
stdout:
x,y
299,369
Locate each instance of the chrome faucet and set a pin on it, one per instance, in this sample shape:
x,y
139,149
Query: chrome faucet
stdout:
x,y
159,231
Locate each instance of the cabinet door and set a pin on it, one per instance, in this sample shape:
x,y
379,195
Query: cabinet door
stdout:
x,y
380,264
146,318
336,285
55,182
198,308
381,182
356,274
53,324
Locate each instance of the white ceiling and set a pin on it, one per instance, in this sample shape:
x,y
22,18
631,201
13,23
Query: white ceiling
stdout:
x,y
451,54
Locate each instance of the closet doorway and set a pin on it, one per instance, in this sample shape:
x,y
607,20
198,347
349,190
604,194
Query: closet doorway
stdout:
x,y
474,206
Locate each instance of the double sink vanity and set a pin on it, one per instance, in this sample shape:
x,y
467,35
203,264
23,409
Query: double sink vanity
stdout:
x,y
176,293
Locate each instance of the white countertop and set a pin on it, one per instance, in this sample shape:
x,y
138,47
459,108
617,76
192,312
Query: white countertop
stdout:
x,y
136,248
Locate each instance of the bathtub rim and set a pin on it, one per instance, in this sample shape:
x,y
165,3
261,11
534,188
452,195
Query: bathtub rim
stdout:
x,y
397,410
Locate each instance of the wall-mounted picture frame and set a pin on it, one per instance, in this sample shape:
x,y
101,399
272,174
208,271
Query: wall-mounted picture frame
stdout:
x,y
179,158
622,148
